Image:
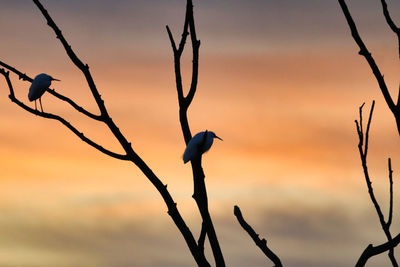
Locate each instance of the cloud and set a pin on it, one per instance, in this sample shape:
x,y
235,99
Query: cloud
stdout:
x,y
301,233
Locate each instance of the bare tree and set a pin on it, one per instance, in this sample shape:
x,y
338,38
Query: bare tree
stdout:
x,y
196,247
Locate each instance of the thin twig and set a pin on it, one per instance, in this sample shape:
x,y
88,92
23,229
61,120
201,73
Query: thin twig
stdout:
x,y
261,243
368,127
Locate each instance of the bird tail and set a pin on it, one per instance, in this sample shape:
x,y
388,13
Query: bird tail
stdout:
x,y
185,159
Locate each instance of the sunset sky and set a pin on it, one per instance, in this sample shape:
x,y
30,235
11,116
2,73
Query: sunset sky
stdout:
x,y
279,81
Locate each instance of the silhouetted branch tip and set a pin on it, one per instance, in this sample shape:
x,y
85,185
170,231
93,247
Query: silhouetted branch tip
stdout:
x,y
262,244
171,38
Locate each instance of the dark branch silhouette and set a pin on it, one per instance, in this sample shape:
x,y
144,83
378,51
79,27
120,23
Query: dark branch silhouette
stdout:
x,y
390,22
202,237
200,191
24,77
363,150
58,118
261,243
198,254
389,221
363,144
371,250
394,108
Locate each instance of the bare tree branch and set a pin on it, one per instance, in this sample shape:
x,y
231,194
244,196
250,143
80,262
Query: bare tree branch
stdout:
x,y
394,108
371,250
24,77
363,150
390,22
78,63
60,119
261,243
84,68
178,75
368,127
200,191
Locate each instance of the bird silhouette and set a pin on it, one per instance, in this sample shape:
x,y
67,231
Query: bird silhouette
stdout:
x,y
199,144
38,88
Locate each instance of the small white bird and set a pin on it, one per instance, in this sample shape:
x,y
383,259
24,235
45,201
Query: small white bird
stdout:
x,y
199,144
38,87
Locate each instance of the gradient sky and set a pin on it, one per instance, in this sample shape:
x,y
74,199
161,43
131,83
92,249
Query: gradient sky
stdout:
x,y
280,82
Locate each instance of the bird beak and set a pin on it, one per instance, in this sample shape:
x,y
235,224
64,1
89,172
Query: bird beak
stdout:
x,y
218,138
56,80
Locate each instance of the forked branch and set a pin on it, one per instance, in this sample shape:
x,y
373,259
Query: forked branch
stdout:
x,y
200,191
363,151
84,68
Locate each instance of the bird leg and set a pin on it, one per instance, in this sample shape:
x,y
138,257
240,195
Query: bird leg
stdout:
x,y
35,105
40,101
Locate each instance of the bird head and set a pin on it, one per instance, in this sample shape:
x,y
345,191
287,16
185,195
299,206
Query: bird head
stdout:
x,y
54,79
45,77
215,136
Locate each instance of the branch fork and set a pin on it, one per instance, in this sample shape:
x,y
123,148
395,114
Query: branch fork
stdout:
x,y
104,117
363,137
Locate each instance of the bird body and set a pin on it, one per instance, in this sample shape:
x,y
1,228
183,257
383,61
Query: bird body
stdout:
x,y
39,86
199,144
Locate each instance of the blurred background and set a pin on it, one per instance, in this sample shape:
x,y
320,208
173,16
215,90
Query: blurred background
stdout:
x,y
279,81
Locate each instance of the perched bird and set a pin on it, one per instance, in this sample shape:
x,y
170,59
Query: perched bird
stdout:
x,y
199,144
38,87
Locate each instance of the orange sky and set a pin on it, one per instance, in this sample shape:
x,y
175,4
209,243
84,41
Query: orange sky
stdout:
x,y
281,83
